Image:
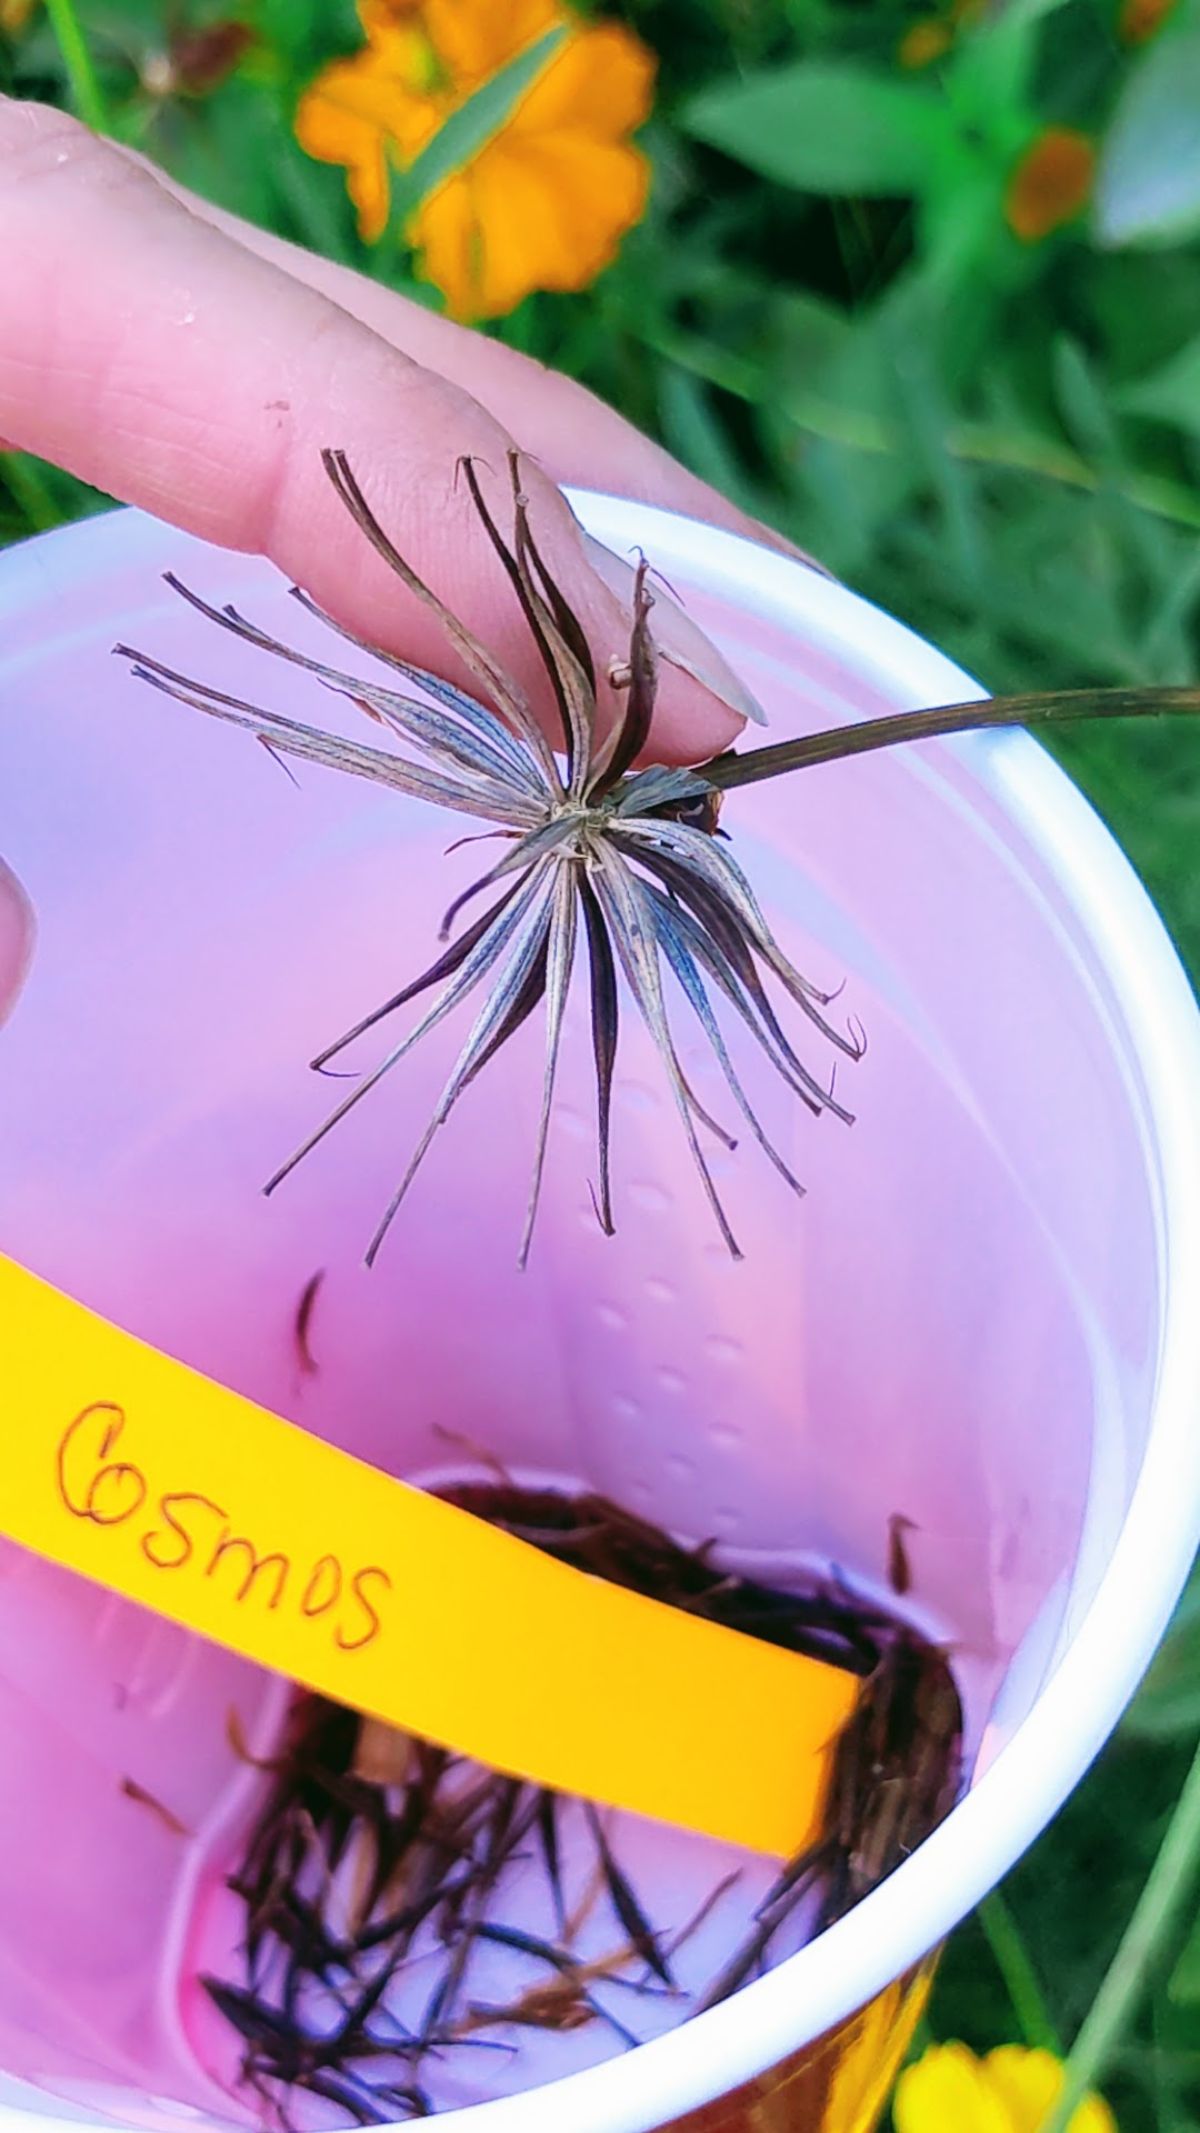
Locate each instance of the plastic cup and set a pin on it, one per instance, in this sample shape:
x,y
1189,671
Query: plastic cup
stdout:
x,y
982,1315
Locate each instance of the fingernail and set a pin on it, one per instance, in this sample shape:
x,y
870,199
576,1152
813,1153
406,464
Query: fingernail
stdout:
x,y
679,640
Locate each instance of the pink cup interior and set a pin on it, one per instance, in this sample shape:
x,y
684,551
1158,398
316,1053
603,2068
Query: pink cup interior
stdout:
x,y
961,1322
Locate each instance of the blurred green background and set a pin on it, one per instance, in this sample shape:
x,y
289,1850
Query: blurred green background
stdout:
x,y
921,286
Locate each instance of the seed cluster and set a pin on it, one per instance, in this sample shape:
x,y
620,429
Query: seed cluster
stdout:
x,y
378,1859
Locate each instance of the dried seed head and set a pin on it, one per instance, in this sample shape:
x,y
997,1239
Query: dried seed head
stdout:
x,y
637,855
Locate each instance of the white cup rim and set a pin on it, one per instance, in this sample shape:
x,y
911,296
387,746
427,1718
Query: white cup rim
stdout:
x,y
1014,1800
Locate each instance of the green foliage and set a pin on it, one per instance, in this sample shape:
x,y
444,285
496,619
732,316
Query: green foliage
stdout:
x,y
824,128
828,313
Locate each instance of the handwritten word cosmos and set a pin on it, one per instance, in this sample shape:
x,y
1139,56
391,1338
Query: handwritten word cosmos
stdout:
x,y
184,1531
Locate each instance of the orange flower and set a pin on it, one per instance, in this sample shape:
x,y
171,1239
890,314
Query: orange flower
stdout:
x,y
930,37
1139,19
925,41
1051,184
544,203
14,14
377,16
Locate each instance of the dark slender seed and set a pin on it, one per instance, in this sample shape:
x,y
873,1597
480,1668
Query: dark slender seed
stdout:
x,y
357,2016
166,1815
799,1869
403,1924
304,1312
547,1814
626,1905
314,2014
527,1944
701,1916
606,2015
899,1566
251,2017
739,1967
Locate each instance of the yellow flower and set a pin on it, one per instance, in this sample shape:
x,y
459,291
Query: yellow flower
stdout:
x,y
14,14
949,2090
1051,184
545,202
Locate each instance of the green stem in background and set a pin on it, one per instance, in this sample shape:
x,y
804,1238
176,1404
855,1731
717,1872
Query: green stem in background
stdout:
x,y
86,93
1168,1887
859,430
30,491
1012,1960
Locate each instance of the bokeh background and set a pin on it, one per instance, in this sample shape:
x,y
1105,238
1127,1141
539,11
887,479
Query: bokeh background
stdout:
x,y
920,285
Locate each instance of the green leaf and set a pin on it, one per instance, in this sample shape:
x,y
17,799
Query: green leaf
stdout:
x,y
1183,1989
1171,393
1089,421
825,128
29,490
992,77
310,205
692,430
1148,186
1168,1707
86,93
469,129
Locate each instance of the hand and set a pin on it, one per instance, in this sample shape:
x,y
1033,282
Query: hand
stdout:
x,y
188,363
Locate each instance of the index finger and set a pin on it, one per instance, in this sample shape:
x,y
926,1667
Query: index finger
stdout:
x,y
577,437
157,358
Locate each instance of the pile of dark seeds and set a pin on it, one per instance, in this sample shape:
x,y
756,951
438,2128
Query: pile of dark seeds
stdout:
x,y
424,1838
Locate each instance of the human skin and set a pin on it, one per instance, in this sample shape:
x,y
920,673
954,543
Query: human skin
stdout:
x,y
185,362
16,938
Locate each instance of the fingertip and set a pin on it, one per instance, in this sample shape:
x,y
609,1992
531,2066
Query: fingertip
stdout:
x,y
16,938
691,723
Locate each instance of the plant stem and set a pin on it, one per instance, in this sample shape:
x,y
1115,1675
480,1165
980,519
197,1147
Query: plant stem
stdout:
x,y
1011,1957
1167,1889
86,93
861,430
1053,708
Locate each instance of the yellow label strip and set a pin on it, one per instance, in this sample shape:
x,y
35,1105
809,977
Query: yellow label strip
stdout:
x,y
155,1482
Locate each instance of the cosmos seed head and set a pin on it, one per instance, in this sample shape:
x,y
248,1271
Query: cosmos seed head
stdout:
x,y
633,862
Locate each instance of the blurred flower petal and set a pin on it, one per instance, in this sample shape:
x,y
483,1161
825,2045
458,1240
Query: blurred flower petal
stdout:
x,y
947,2088
534,212
1140,19
1051,184
1011,2091
924,42
600,84
1029,2082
